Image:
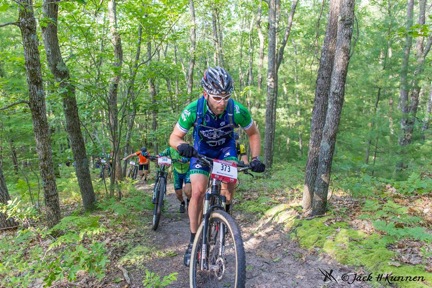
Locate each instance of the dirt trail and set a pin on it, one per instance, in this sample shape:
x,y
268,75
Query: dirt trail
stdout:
x,y
272,259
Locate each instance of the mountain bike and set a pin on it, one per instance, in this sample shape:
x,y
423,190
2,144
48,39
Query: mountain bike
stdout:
x,y
133,170
159,189
218,258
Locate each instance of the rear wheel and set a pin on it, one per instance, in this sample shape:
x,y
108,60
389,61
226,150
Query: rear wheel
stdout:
x,y
225,261
157,210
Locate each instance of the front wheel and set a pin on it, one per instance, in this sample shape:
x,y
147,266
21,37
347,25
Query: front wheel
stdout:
x,y
224,264
158,205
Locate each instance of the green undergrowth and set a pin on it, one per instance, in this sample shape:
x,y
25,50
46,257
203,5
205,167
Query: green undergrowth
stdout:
x,y
392,227
76,247
395,243
256,195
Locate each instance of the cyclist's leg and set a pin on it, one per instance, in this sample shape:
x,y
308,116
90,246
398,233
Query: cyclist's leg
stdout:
x,y
178,183
199,185
140,171
199,180
187,189
146,170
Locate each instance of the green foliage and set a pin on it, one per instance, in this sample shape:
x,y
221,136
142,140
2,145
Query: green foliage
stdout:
x,y
355,248
391,222
414,184
416,233
19,211
136,201
53,259
151,279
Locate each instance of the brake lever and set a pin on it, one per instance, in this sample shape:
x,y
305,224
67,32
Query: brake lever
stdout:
x,y
248,173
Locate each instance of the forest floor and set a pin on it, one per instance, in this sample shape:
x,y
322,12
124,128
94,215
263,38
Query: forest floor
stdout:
x,y
272,259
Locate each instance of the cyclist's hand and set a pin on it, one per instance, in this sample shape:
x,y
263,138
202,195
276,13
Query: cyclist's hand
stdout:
x,y
186,150
257,166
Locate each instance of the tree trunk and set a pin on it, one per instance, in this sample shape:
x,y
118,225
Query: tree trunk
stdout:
x,y
5,223
217,38
404,89
320,103
426,120
336,99
61,73
14,156
131,98
261,49
152,92
251,63
271,86
27,24
192,37
286,35
112,95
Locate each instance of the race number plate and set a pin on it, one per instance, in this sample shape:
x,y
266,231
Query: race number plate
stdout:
x,y
132,163
164,161
224,171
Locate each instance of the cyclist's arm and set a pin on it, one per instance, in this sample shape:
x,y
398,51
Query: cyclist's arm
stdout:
x,y
177,137
254,140
127,157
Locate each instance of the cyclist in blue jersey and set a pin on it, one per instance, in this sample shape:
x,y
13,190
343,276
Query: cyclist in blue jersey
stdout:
x,y
214,117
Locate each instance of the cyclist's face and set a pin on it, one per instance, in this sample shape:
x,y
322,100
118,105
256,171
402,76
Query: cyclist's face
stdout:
x,y
217,103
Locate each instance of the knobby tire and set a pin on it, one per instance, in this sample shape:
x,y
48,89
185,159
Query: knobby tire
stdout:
x,y
157,210
227,270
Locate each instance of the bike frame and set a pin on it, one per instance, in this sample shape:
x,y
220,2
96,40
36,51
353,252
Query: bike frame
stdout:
x,y
213,193
161,173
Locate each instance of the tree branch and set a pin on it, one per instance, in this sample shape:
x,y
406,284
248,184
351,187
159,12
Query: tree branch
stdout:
x,y
14,104
9,23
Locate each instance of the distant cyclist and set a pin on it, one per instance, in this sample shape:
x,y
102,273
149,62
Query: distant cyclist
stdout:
x,y
144,162
213,116
181,175
241,150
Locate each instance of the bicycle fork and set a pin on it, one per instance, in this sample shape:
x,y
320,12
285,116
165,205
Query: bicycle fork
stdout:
x,y
219,229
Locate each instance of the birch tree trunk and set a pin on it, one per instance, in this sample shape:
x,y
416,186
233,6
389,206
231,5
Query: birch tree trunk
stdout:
x,y
320,103
336,99
61,73
27,24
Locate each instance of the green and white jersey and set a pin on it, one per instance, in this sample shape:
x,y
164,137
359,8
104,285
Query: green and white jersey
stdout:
x,y
242,117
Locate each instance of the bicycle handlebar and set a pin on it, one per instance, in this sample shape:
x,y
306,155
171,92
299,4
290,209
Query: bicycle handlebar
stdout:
x,y
241,166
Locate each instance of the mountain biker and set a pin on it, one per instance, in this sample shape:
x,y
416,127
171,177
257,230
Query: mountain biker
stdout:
x,y
181,174
213,136
144,162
